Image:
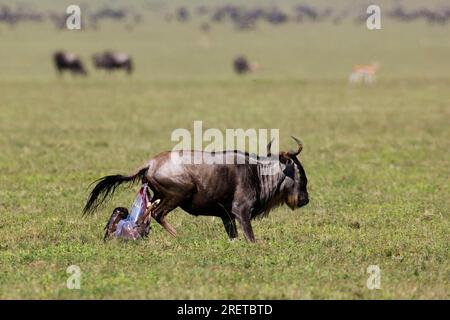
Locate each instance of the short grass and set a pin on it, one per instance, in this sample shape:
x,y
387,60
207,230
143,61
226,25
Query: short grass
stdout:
x,y
377,159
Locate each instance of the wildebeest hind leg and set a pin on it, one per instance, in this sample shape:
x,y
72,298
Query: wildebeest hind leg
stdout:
x,y
164,207
166,225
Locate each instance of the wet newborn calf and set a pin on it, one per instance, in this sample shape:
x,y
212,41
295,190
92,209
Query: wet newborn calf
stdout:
x,y
129,230
119,213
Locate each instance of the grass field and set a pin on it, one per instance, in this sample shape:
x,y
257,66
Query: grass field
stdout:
x,y
377,160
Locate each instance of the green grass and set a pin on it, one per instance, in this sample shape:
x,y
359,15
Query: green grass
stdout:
x,y
377,160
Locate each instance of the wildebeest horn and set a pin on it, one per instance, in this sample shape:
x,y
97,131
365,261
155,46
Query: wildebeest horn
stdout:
x,y
300,147
269,153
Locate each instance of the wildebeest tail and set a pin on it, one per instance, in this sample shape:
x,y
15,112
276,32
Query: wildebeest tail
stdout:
x,y
106,186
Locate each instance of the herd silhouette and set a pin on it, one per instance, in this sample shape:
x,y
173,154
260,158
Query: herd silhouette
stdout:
x,y
241,16
108,60
111,61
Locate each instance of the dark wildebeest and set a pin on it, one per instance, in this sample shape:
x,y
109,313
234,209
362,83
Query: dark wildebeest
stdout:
x,y
68,61
237,186
242,65
113,61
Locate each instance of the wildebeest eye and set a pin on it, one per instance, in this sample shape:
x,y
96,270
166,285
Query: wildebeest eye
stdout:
x,y
289,169
285,159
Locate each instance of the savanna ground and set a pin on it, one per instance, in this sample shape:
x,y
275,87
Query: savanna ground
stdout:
x,y
377,160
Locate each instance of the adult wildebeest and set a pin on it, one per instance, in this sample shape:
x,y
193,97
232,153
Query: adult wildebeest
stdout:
x,y
112,61
241,65
68,61
240,186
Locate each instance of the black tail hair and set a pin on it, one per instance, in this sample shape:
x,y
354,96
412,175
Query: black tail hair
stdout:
x,y
106,187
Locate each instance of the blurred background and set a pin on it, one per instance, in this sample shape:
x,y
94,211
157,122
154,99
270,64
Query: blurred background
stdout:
x,y
194,40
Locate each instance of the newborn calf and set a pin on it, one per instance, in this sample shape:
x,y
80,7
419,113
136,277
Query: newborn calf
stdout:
x,y
129,230
119,213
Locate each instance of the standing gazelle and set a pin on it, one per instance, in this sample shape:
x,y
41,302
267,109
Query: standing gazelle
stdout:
x,y
364,73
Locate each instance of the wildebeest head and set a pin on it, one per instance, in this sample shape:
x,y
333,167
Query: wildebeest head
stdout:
x,y
294,185
118,214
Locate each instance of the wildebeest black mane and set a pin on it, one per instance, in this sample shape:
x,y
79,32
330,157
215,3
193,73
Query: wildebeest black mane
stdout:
x,y
261,176
264,179
244,153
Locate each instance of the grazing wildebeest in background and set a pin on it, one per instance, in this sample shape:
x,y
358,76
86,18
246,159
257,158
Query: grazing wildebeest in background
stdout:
x,y
241,186
113,60
68,61
241,65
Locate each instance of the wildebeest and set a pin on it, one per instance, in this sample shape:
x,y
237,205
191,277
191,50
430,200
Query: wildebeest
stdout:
x,y
242,187
113,60
68,61
241,65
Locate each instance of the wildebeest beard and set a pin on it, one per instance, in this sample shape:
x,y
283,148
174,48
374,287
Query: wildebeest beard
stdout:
x,y
270,177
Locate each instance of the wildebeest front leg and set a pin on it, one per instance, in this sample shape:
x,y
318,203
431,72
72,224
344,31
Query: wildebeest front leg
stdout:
x,y
230,227
247,229
242,212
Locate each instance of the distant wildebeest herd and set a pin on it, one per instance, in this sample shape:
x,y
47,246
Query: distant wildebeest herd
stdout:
x,y
247,18
110,61
240,16
107,60
12,16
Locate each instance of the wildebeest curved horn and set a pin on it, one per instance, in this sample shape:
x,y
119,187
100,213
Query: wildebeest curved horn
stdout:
x,y
269,145
300,147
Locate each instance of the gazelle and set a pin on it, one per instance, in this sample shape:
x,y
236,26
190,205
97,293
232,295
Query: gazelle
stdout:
x,y
364,73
